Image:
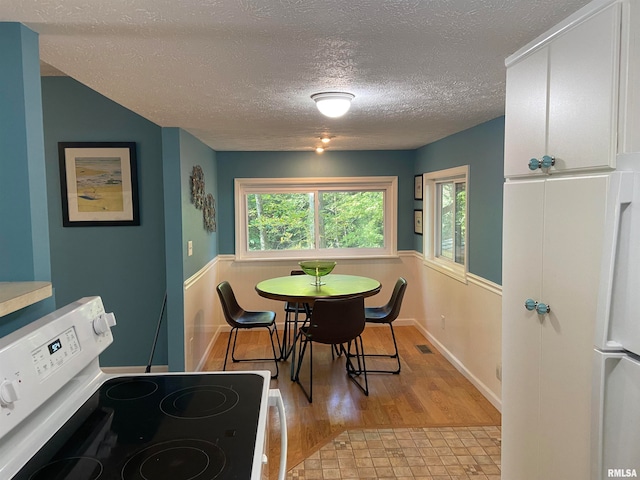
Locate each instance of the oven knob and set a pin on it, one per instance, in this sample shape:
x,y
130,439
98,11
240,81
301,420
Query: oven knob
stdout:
x,y
8,392
103,323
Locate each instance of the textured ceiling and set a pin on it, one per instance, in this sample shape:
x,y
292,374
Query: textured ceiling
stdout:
x,y
238,74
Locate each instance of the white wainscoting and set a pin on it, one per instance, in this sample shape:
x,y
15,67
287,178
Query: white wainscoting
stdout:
x,y
201,315
471,337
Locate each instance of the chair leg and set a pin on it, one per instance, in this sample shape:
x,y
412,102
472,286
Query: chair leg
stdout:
x,y
233,349
285,338
275,358
303,349
288,340
353,372
336,351
224,367
289,336
394,355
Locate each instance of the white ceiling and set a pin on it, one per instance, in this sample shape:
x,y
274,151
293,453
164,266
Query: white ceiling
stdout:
x,y
238,74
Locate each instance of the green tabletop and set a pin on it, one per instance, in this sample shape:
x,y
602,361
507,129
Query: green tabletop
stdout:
x,y
301,288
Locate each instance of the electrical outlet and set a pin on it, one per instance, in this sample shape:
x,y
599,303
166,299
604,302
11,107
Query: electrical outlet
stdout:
x,y
442,322
499,371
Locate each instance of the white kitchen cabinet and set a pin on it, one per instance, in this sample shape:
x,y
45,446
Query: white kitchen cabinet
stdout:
x,y
572,94
562,97
551,250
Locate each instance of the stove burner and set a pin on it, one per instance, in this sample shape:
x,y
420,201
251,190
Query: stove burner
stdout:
x,y
177,460
132,389
72,468
199,402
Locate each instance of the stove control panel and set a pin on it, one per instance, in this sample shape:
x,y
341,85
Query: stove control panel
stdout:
x,y
52,354
39,361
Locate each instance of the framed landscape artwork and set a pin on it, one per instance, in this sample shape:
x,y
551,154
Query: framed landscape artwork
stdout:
x,y
99,183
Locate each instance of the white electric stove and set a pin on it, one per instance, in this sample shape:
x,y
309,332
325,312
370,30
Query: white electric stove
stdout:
x,y
62,418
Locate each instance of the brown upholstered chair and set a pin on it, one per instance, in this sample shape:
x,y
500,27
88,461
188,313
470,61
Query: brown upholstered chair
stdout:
x,y
238,318
335,322
387,314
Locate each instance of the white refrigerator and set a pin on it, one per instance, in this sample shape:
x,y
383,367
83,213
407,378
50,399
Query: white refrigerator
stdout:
x,y
615,429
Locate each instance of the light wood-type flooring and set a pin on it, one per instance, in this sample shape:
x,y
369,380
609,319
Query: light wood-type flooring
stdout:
x,y
429,391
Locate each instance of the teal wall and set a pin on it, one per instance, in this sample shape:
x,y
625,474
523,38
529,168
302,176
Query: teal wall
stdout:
x,y
181,152
233,165
123,265
205,245
24,227
482,148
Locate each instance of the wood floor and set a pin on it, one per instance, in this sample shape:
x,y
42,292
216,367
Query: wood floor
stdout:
x,y
428,392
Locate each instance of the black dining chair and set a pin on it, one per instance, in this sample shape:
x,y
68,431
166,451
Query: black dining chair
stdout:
x,y
387,314
238,318
335,322
292,311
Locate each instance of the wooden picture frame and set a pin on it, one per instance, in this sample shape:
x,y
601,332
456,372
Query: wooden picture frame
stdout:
x,y
99,183
417,187
417,221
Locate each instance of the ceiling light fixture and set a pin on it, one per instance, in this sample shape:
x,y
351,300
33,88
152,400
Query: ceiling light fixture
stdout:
x,y
325,139
319,149
333,104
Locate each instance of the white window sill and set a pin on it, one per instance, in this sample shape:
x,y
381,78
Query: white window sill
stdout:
x,y
456,272
317,257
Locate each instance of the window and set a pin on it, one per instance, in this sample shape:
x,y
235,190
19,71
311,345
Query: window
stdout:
x,y
314,218
445,241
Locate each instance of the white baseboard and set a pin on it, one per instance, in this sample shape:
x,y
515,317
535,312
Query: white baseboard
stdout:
x,y
207,351
484,390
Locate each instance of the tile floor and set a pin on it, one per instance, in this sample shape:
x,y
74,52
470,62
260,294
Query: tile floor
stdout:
x,y
449,453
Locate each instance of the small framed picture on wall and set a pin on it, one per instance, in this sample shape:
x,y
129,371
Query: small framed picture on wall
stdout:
x,y
99,184
417,187
417,221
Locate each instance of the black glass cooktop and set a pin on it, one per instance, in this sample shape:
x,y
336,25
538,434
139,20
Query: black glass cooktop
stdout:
x,y
177,427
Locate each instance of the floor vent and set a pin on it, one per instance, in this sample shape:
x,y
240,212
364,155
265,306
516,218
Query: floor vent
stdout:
x,y
423,349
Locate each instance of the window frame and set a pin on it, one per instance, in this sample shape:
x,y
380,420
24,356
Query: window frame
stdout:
x,y
244,186
432,214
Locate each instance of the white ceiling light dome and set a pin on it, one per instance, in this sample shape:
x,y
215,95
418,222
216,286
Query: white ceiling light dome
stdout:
x,y
333,104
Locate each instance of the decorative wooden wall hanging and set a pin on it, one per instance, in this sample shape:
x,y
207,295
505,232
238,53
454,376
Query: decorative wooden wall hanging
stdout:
x,y
202,200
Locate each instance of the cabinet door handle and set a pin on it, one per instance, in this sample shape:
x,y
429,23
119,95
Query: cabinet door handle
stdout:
x,y
530,304
540,308
546,162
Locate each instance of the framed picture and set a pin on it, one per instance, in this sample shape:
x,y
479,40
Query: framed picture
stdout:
x,y
99,184
417,221
417,187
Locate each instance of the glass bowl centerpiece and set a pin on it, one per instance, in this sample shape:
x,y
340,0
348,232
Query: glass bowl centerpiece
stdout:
x,y
317,269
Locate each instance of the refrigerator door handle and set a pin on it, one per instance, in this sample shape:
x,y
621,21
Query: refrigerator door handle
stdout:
x,y
603,363
620,195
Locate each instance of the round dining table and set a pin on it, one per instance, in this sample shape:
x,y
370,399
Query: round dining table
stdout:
x,y
302,289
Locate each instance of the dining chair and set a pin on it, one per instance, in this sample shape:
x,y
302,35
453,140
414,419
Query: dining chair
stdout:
x,y
335,322
292,311
387,314
239,318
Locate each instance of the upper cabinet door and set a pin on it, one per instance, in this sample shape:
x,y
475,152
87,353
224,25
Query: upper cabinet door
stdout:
x,y
583,93
526,113
562,100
